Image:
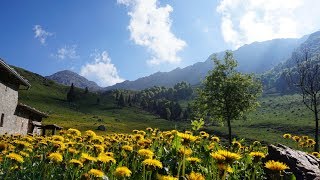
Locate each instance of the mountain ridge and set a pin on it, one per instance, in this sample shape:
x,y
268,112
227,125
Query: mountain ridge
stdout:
x,y
67,77
256,53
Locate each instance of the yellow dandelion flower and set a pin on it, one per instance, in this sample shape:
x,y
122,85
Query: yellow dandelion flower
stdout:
x,y
225,167
316,154
142,133
105,159
29,150
174,132
305,137
195,176
311,142
236,144
193,160
152,163
97,139
74,132
87,157
55,157
96,173
59,145
218,157
15,157
127,148
24,154
256,143
215,139
137,137
187,137
73,151
57,138
257,155
186,151
135,131
22,144
28,138
161,177
122,172
98,148
229,156
3,146
276,165
296,138
90,133
287,136
76,162
205,136
145,153
109,154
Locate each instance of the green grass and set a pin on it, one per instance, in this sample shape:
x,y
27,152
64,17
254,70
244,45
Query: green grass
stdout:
x,y
85,113
276,115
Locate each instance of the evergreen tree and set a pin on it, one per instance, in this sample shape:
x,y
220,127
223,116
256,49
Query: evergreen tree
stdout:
x,y
121,101
129,100
86,90
98,101
117,95
71,96
168,114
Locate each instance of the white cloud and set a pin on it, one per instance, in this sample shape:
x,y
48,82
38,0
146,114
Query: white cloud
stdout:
x,y
101,70
67,52
41,34
150,26
246,21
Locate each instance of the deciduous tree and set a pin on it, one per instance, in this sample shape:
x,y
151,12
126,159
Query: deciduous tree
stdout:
x,y
227,94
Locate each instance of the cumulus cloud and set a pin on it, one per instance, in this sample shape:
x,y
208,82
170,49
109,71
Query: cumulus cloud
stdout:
x,y
101,70
246,21
67,52
41,34
150,26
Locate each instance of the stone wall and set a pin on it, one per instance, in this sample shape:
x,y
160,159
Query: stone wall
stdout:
x,y
8,104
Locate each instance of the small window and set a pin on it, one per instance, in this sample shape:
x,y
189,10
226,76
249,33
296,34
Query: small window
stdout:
x,y
1,121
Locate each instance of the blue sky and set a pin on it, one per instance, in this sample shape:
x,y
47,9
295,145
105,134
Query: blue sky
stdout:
x,y
109,41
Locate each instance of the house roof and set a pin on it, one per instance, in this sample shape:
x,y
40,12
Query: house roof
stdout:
x,y
10,70
33,110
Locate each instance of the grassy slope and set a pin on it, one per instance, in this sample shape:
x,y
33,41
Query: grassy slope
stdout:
x,y
276,115
85,114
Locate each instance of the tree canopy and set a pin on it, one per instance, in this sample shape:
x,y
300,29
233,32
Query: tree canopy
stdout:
x,y
226,93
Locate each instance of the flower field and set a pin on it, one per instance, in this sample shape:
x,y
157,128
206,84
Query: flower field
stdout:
x,y
145,155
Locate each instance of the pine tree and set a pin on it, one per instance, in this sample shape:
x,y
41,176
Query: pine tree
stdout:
x,y
98,101
129,100
71,96
86,90
121,101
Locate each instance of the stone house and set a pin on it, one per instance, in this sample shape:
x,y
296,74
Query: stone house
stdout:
x,y
16,118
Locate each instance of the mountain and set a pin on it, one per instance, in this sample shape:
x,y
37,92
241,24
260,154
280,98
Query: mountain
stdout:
x,y
274,80
85,113
256,57
67,77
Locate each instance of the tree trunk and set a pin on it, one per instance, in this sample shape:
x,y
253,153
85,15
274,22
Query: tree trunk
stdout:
x,y
316,147
316,117
229,128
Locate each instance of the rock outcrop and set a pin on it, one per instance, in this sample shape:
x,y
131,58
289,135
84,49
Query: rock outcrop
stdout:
x,y
304,166
102,128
